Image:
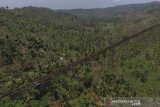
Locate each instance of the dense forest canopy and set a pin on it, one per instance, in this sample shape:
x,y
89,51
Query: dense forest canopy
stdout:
x,y
35,41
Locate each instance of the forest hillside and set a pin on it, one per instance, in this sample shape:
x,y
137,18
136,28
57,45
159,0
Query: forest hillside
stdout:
x,y
35,41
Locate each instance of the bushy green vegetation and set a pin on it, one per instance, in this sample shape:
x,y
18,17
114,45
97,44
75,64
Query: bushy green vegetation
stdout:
x,y
34,41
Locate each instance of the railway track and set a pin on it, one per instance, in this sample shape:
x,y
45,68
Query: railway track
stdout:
x,y
67,67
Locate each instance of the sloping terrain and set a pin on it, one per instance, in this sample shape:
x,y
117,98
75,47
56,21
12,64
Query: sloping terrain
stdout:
x,y
35,41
